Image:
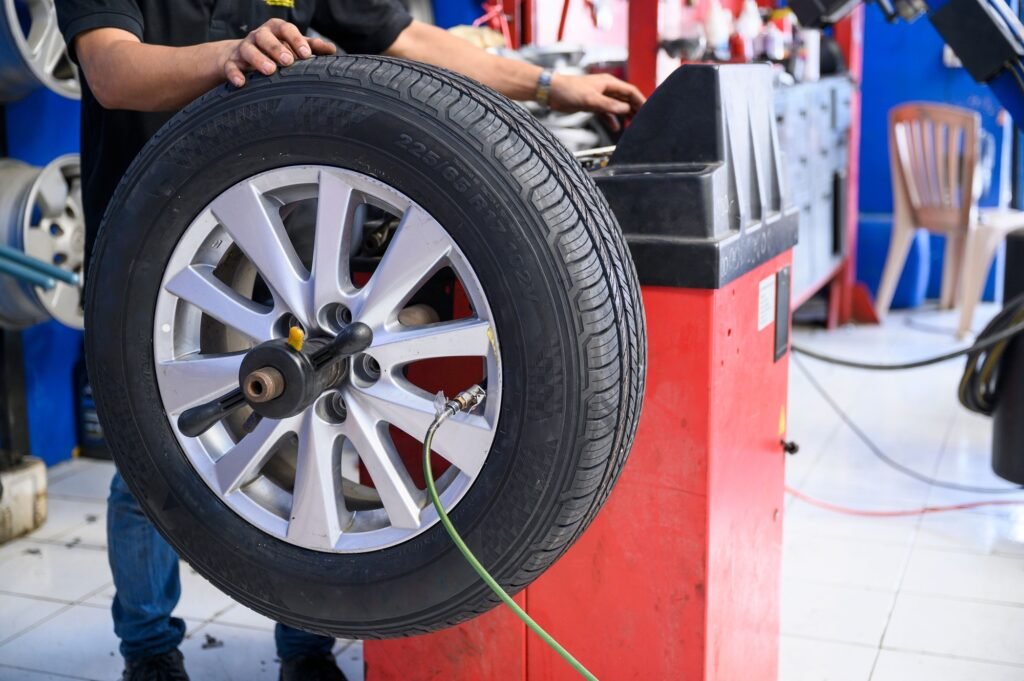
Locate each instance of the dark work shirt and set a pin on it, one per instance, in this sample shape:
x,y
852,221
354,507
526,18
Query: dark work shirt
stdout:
x,y
111,139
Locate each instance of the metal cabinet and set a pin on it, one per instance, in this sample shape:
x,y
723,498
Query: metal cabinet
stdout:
x,y
814,131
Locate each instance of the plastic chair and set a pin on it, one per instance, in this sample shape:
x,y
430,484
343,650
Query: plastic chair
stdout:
x,y
933,153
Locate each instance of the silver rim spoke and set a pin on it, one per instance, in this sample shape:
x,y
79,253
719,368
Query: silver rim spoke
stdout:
x,y
465,338
240,464
38,240
257,229
400,497
50,47
332,248
48,219
193,381
315,516
197,285
464,440
417,250
303,500
54,192
35,53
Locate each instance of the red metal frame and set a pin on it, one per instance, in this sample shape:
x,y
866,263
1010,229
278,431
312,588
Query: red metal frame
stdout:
x,y
508,17
642,68
850,35
836,293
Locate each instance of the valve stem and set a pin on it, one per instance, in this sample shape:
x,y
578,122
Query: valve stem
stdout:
x,y
466,401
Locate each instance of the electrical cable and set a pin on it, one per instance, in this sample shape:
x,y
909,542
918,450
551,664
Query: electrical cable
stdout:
x,y
465,401
979,385
881,455
845,510
981,345
1004,326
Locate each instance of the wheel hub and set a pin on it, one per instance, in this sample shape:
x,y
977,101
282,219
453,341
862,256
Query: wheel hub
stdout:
x,y
281,379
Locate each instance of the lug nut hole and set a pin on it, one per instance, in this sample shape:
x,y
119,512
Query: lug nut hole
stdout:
x,y
285,323
332,408
366,369
334,317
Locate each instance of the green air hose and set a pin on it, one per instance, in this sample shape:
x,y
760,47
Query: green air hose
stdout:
x,y
453,406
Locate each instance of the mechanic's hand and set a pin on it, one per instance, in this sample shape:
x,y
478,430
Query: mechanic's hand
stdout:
x,y
599,93
275,42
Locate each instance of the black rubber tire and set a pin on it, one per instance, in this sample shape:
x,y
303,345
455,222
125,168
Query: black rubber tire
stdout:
x,y
552,262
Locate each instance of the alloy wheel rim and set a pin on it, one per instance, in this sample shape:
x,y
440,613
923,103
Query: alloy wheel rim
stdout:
x,y
41,48
208,312
54,232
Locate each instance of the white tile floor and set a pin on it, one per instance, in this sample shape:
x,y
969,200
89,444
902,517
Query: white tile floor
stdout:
x,y
56,593
926,598
932,598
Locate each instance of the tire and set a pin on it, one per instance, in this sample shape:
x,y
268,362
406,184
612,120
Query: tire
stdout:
x,y
548,254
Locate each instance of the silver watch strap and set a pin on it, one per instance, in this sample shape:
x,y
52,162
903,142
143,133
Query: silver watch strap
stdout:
x,y
543,94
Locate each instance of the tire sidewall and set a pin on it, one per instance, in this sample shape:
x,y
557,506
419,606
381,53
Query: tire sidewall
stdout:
x,y
504,238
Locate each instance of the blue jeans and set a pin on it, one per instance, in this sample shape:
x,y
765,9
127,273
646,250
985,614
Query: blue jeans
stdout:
x,y
145,569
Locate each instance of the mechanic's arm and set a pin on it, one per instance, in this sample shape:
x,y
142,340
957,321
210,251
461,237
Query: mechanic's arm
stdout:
x,y
125,73
514,79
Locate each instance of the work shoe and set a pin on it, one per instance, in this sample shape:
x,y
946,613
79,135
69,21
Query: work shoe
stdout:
x,y
311,668
168,666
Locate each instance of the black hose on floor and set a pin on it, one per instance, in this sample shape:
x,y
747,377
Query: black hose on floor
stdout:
x,y
881,455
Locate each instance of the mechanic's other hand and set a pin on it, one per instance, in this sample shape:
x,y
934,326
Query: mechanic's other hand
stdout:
x,y
275,42
599,93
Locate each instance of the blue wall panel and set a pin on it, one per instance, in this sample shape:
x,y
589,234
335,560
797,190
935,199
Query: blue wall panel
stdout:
x,y
448,13
39,128
903,63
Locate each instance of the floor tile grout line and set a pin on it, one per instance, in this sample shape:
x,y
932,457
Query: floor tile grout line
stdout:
x,y
832,433
64,543
237,625
802,482
50,494
913,592
963,599
35,625
891,543
948,656
823,639
43,671
910,550
841,585
35,597
827,639
82,524
64,474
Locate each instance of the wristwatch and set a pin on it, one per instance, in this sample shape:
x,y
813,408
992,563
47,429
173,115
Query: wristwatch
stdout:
x,y
543,94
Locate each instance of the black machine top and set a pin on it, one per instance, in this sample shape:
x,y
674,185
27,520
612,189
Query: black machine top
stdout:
x,y
697,182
